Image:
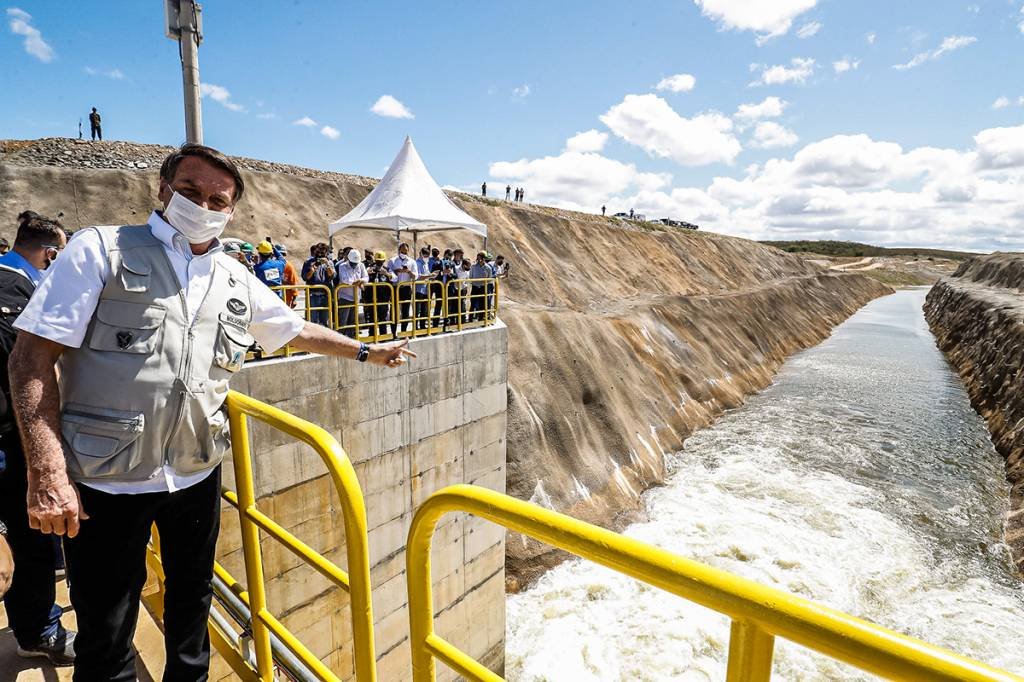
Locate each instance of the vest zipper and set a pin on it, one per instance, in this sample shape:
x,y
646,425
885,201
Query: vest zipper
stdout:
x,y
187,351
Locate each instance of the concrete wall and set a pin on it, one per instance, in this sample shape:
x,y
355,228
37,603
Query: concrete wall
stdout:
x,y
437,421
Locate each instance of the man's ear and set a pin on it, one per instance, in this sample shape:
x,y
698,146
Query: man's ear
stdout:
x,y
164,192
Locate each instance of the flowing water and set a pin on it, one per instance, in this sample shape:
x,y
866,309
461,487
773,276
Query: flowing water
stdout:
x,y
861,478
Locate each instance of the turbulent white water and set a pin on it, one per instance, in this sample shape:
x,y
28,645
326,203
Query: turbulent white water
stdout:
x,y
861,478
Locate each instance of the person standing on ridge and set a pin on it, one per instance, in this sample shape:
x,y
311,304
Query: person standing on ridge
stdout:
x,y
602,210
508,192
94,125
31,601
483,190
145,325
522,194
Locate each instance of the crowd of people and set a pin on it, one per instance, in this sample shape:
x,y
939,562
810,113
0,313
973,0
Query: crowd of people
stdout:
x,y
423,284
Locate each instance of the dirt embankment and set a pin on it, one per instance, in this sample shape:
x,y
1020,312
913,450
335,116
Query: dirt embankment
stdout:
x,y
977,316
624,338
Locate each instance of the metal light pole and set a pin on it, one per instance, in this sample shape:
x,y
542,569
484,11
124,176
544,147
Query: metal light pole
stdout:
x,y
183,19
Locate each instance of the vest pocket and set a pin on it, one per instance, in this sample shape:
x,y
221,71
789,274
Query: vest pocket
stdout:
x,y
104,442
134,273
232,345
124,327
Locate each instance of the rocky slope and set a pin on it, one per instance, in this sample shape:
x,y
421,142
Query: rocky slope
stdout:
x,y
977,316
624,338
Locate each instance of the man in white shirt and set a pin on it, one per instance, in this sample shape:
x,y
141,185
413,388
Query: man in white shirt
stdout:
x,y
351,276
111,301
405,269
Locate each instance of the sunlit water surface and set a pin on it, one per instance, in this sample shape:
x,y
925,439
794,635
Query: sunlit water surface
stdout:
x,y
861,478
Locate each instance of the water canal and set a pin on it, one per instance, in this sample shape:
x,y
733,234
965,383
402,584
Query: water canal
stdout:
x,y
861,478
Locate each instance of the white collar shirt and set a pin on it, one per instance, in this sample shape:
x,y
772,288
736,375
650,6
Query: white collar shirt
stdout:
x,y
403,261
63,305
349,274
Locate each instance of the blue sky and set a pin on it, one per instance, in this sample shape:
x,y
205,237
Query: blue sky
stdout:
x,y
850,147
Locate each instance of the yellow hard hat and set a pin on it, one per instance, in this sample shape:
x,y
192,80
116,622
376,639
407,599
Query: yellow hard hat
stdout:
x,y
264,248
380,255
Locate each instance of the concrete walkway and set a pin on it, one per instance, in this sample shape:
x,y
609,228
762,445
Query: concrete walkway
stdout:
x,y
148,642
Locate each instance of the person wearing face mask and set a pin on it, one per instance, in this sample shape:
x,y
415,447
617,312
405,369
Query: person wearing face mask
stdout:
x,y
145,326
405,269
30,602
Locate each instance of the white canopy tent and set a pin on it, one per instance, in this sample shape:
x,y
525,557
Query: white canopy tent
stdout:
x,y
408,199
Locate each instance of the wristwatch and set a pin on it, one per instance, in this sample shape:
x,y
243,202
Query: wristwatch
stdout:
x,y
3,529
364,352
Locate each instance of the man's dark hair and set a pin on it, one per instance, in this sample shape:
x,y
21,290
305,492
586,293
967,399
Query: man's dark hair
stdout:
x,y
170,165
35,231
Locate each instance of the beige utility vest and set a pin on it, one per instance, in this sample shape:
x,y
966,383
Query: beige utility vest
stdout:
x,y
147,385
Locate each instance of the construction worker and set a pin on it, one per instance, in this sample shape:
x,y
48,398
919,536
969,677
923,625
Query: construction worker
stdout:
x,y
290,277
269,269
146,325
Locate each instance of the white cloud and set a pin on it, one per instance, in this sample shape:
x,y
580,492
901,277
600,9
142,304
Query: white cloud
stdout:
x,y
650,123
870,38
329,132
771,135
845,64
305,121
949,44
847,187
113,74
767,19
521,91
681,82
267,116
770,107
582,181
809,29
20,23
587,141
219,94
1001,103
389,107
798,73
973,9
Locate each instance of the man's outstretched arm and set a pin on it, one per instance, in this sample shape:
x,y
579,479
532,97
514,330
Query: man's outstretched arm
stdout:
x,y
53,502
317,339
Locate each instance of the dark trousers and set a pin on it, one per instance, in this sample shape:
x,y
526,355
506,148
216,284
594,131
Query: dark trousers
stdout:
x,y
30,601
97,131
404,297
477,303
106,565
422,309
348,317
318,312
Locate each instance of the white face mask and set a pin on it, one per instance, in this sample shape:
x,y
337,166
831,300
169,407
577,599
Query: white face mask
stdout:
x,y
197,224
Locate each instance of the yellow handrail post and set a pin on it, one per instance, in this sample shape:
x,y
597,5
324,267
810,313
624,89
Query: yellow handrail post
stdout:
x,y
421,596
251,543
750,653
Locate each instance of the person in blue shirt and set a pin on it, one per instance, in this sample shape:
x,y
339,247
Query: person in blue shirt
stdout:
x,y
270,269
318,271
30,600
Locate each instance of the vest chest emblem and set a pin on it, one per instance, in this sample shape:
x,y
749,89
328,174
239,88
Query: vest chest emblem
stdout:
x,y
236,306
124,339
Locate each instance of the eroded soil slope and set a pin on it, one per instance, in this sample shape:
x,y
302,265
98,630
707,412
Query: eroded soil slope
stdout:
x,y
623,338
977,316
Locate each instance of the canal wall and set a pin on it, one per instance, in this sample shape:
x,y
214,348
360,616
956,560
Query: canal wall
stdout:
x,y
437,421
977,316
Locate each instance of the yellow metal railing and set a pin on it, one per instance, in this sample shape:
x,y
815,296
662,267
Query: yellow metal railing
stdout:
x,y
382,311
759,613
356,581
